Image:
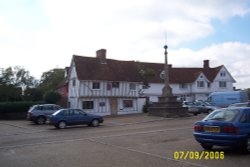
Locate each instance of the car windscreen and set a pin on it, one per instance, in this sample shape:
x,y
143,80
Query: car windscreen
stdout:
x,y
227,115
58,111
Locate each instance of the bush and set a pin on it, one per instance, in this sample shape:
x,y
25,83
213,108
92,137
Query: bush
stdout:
x,y
146,107
15,110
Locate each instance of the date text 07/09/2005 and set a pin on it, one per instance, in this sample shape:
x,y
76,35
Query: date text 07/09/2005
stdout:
x,y
196,155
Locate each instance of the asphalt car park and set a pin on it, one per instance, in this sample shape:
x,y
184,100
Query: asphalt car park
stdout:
x,y
132,140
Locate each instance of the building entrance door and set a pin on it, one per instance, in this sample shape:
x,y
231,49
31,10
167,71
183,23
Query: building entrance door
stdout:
x,y
113,106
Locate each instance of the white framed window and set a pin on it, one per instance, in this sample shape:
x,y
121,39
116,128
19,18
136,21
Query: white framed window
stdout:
x,y
132,86
200,84
96,85
88,105
208,84
222,84
183,86
102,104
115,84
73,82
127,103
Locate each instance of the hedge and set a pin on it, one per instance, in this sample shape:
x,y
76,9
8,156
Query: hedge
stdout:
x,y
15,110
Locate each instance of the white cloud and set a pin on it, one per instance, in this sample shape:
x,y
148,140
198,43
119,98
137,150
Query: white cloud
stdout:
x,y
233,55
128,29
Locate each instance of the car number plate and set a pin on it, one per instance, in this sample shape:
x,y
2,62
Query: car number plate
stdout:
x,y
215,129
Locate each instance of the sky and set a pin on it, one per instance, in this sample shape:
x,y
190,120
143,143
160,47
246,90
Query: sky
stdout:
x,y
40,35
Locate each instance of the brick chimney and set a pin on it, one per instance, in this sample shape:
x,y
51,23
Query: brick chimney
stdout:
x,y
101,54
206,64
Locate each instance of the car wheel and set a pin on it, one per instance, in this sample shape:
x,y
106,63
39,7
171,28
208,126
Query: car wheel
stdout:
x,y
62,125
40,120
95,123
207,146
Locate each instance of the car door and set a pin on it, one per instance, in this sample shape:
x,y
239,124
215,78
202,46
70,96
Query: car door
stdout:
x,y
71,118
244,123
48,110
76,117
83,117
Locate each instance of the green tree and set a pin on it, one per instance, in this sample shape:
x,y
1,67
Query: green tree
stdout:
x,y
17,76
52,97
33,94
13,81
7,76
146,74
10,93
22,78
51,79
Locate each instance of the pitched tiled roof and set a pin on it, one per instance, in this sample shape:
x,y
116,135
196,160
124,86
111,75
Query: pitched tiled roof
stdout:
x,y
89,68
182,75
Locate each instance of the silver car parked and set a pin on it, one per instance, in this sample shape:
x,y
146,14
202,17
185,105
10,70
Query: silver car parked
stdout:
x,y
39,113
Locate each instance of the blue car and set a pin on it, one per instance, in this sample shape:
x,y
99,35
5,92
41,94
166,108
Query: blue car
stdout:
x,y
225,127
68,117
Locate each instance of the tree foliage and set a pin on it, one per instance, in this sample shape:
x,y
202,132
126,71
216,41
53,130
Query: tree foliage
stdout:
x,y
52,97
16,84
17,76
33,94
10,93
51,79
146,74
13,81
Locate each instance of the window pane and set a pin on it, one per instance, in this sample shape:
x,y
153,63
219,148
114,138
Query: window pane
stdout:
x,y
223,74
127,103
222,84
183,86
115,84
87,104
132,86
96,85
109,86
200,84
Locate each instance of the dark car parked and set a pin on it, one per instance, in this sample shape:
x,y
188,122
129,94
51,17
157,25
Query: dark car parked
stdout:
x,y
225,127
69,117
39,113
